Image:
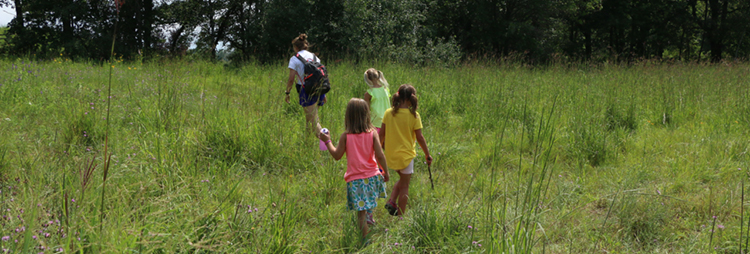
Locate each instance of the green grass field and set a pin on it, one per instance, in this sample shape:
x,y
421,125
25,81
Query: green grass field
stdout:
x,y
648,158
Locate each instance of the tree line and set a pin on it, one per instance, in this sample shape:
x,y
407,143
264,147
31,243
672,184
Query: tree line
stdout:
x,y
415,31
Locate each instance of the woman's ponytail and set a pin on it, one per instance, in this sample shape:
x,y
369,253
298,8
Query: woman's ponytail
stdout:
x,y
300,42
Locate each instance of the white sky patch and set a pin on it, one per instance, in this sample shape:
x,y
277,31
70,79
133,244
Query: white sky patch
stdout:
x,y
6,14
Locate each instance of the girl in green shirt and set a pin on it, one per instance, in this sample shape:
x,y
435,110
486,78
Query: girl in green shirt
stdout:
x,y
377,96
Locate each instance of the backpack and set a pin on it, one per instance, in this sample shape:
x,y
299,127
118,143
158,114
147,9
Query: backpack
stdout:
x,y
316,80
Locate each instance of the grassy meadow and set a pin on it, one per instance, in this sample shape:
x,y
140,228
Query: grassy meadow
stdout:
x,y
646,158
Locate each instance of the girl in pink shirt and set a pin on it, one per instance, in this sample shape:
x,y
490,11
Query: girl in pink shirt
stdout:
x,y
364,182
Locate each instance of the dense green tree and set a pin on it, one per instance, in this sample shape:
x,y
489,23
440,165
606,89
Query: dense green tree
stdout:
x,y
498,27
415,31
82,28
718,21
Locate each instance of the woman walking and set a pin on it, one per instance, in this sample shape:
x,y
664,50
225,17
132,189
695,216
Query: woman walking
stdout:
x,y
308,101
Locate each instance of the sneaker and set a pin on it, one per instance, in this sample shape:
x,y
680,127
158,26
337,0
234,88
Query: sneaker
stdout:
x,y
370,220
391,207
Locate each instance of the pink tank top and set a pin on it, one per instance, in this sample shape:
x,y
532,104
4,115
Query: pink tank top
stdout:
x,y
360,157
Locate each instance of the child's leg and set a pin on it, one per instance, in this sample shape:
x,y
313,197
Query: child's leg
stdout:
x,y
394,193
403,192
362,221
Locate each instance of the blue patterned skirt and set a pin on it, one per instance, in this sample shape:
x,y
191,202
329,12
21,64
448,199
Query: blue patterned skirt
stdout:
x,y
361,193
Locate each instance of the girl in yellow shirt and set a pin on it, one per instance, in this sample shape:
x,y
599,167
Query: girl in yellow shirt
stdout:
x,y
400,128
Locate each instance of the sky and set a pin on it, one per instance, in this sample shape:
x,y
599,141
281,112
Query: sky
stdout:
x,y
6,14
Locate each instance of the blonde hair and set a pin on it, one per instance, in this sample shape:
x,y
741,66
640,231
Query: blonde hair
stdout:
x,y
372,75
300,42
357,119
405,92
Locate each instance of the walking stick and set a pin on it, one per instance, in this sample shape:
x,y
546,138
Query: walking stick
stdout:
x,y
430,171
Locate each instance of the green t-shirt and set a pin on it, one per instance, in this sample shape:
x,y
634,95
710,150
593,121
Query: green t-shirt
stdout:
x,y
379,103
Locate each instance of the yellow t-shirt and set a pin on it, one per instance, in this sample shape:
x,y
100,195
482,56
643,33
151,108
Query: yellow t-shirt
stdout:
x,y
400,137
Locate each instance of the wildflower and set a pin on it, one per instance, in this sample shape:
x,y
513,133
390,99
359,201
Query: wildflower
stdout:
x,y
73,200
474,242
657,191
256,209
720,226
46,235
6,238
59,249
33,236
470,227
479,244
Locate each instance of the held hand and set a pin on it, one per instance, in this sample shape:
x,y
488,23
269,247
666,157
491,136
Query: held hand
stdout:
x,y
428,159
324,137
286,98
386,177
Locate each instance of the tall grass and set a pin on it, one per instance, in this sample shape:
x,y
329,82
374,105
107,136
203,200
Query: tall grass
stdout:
x,y
208,158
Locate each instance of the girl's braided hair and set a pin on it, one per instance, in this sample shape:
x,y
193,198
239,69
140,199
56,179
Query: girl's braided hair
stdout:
x,y
405,92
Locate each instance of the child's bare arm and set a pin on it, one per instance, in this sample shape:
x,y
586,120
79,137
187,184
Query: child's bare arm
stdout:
x,y
380,157
336,152
367,97
423,144
381,135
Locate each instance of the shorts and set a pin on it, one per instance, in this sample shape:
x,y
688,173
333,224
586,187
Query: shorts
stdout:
x,y
361,193
306,100
408,170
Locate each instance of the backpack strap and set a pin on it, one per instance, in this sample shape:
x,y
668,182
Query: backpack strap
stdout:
x,y
301,79
300,58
